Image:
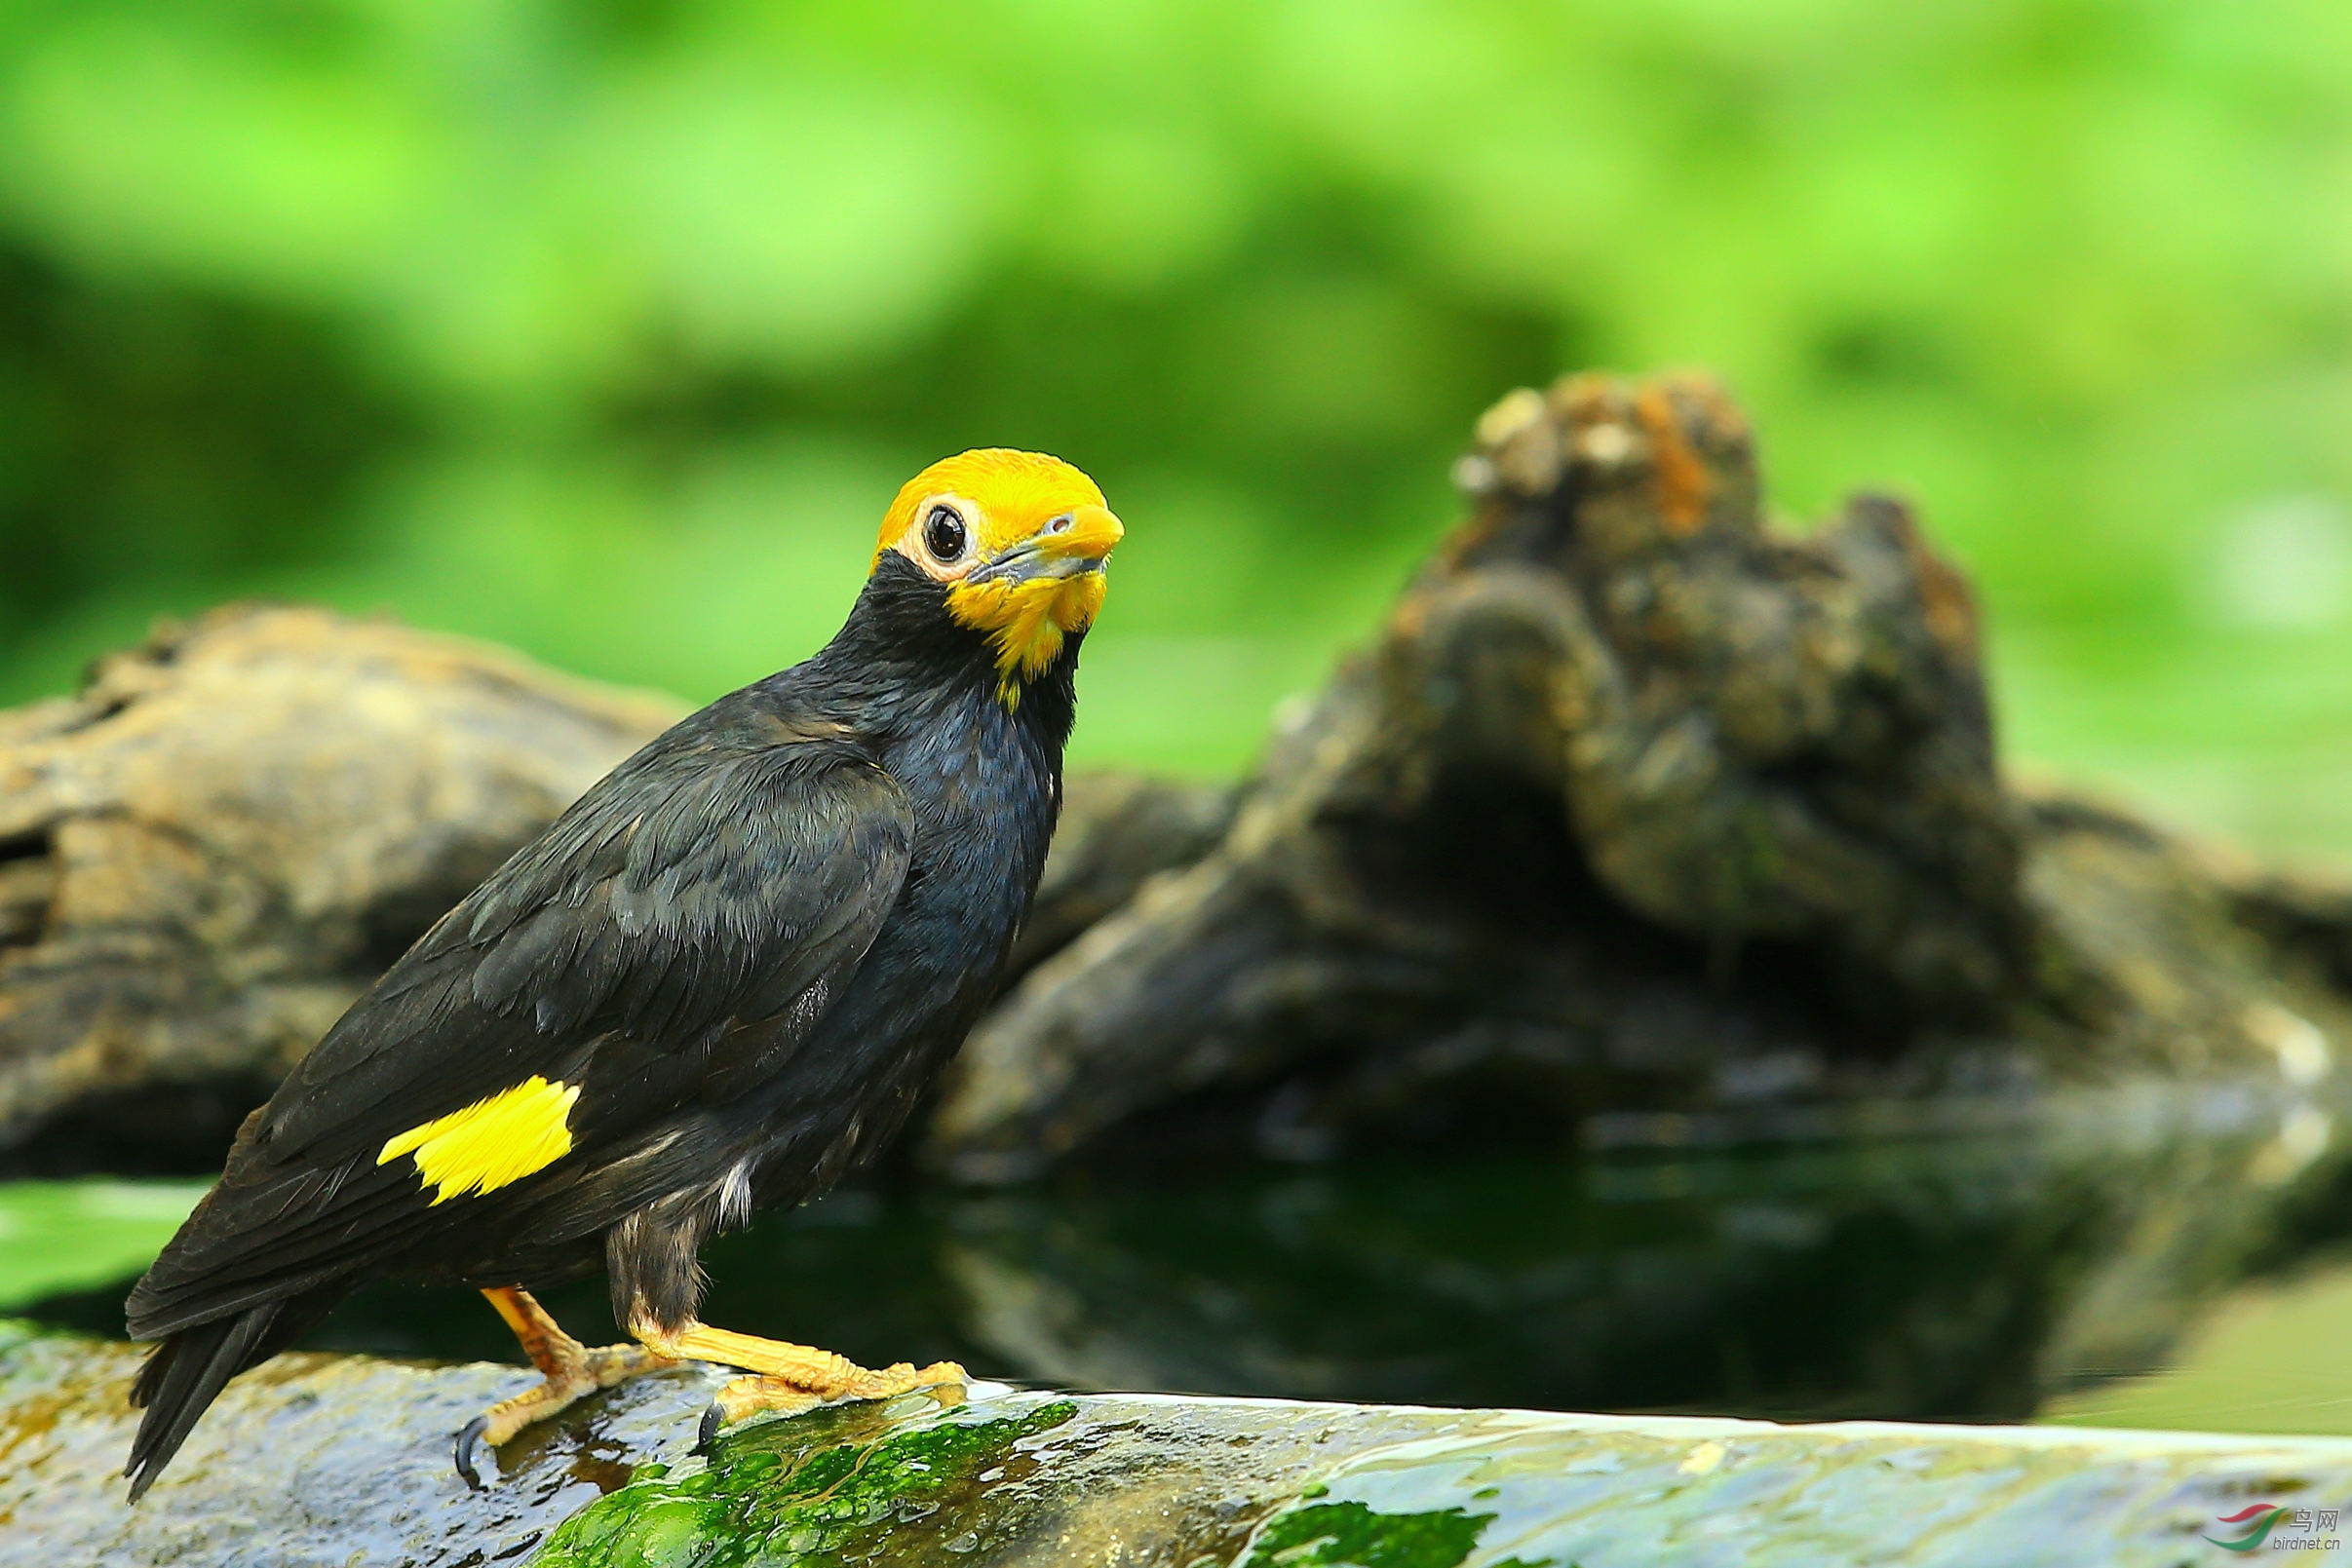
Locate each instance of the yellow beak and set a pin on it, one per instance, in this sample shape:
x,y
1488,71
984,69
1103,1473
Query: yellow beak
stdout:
x,y
1078,541
1091,535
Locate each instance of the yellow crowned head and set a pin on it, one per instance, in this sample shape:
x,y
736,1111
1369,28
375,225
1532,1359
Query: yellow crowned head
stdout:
x,y
1020,539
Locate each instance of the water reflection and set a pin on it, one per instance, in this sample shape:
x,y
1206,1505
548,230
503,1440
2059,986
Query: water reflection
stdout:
x,y
1960,1278
1956,1276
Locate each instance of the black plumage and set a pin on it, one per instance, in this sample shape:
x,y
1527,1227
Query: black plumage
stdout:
x,y
748,948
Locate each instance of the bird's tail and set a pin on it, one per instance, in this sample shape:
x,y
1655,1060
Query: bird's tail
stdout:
x,y
184,1374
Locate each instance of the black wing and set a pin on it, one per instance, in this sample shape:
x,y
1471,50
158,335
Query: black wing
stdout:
x,y
672,938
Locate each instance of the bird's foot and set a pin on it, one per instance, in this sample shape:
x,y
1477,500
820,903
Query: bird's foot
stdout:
x,y
570,1372
767,1395
788,1379
598,1368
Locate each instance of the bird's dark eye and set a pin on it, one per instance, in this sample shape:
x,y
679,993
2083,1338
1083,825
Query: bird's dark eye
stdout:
x,y
943,534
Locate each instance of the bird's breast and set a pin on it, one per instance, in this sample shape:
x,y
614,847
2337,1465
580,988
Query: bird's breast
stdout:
x,y
985,794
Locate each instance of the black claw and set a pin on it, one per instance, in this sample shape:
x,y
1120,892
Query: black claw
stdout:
x,y
467,1440
707,1433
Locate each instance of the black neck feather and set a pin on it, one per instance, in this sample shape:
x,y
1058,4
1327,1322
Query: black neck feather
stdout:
x,y
903,654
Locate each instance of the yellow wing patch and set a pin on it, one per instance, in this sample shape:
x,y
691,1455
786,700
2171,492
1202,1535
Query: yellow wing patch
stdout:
x,y
492,1141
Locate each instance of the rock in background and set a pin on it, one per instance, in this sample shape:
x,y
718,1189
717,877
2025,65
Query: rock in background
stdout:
x,y
1640,803
1637,807
218,842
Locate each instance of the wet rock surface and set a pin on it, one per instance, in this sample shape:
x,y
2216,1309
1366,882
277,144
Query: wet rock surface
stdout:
x,y
308,1460
321,1460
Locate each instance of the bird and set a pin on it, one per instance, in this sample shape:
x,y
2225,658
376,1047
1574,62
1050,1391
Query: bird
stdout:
x,y
714,983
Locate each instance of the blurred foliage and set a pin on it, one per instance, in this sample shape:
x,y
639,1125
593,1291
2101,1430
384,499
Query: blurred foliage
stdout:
x,y
57,1237
608,327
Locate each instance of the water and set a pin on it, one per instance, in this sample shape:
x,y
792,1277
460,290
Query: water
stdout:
x,y
1985,1276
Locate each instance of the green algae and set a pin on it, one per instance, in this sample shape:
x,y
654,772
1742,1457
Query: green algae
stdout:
x,y
1350,1534
780,1493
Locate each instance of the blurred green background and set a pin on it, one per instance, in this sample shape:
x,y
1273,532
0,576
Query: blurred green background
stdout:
x,y
606,327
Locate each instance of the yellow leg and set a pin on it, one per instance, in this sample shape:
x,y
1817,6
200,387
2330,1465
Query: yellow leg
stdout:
x,y
790,1378
570,1369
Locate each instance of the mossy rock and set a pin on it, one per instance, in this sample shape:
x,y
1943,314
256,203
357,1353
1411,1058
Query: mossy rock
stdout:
x,y
318,1460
